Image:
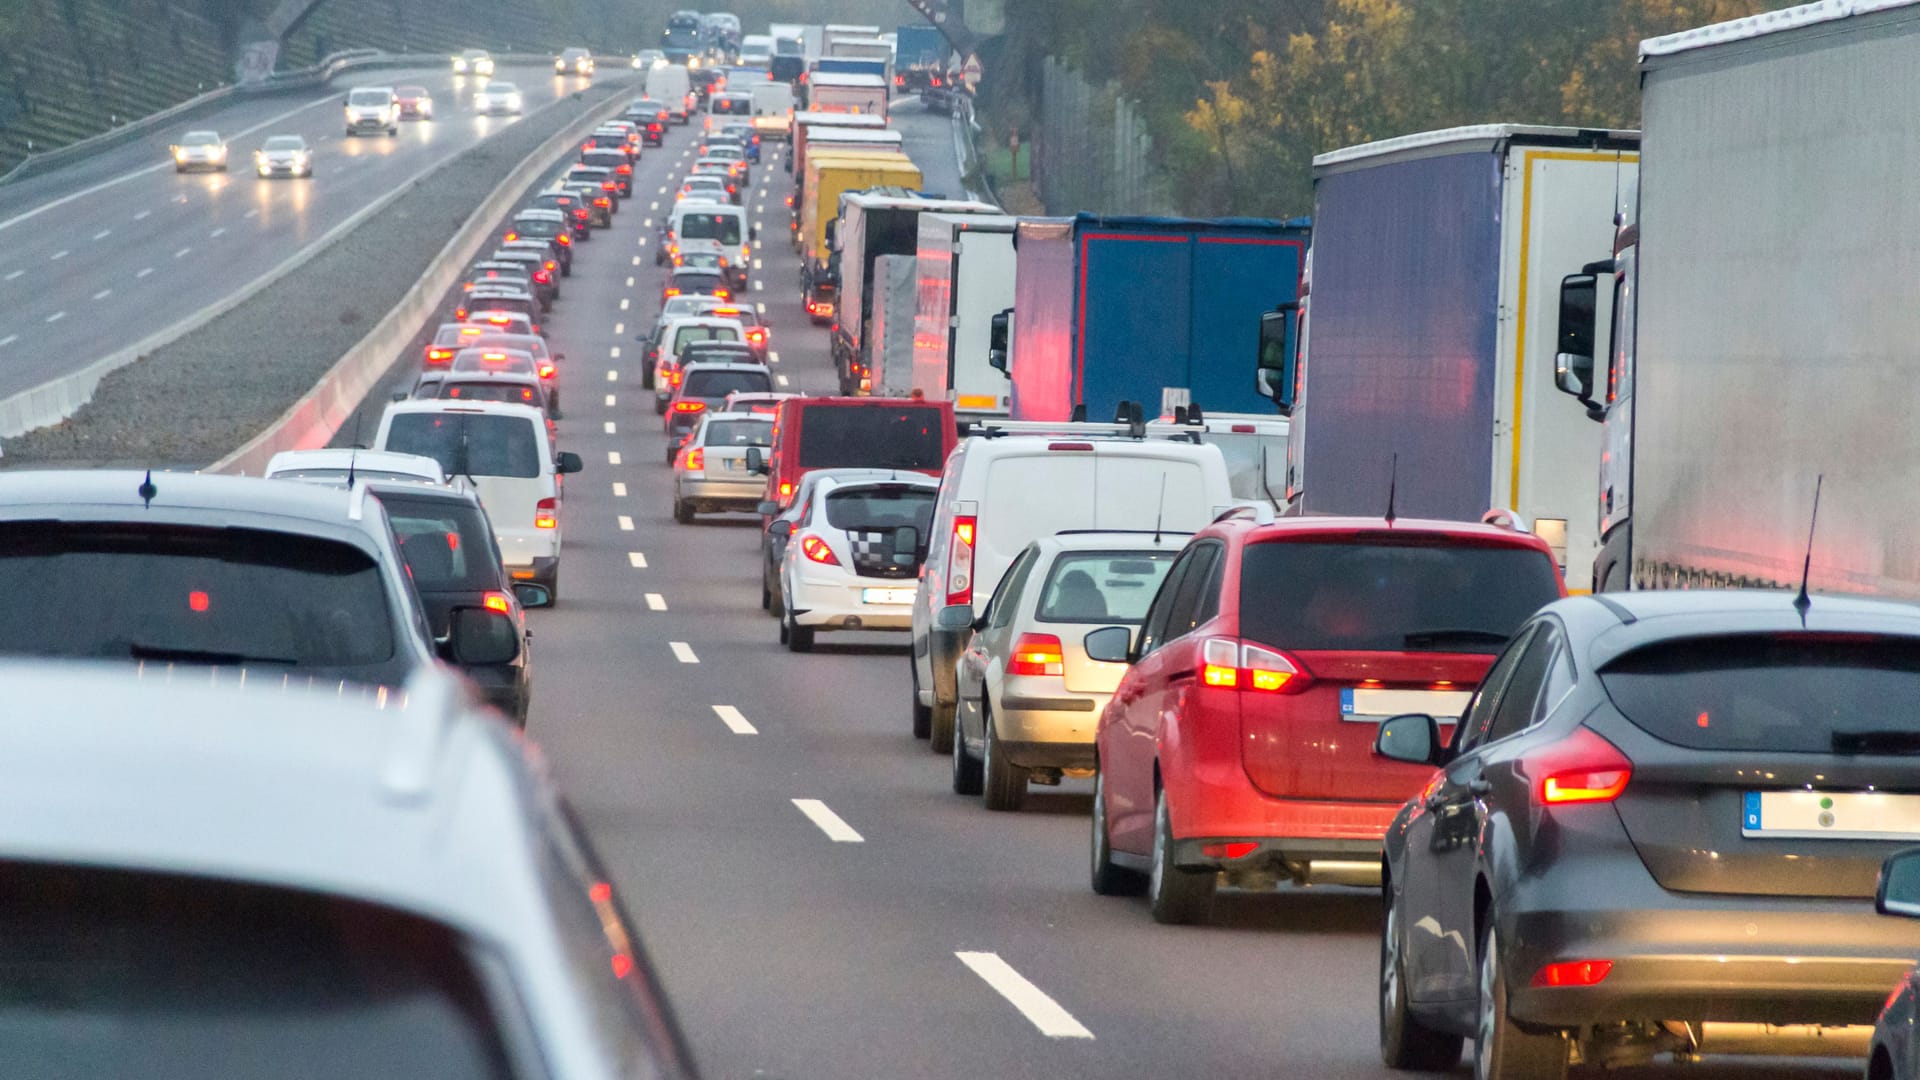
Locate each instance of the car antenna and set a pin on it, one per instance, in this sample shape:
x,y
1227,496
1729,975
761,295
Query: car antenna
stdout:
x,y
1162,515
1802,602
146,490
1393,482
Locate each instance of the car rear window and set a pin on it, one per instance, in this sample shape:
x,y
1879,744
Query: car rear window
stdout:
x,y
605,159
706,226
871,436
512,393
447,544
1786,693
728,105
886,507
1103,586
108,591
739,433
539,226
470,444
718,384
703,333
1407,594
112,972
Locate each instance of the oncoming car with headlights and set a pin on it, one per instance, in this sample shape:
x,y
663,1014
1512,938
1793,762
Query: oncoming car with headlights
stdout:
x,y
199,150
284,155
372,108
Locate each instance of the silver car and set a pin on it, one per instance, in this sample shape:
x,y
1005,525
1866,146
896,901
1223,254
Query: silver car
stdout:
x,y
199,150
710,473
284,155
216,877
498,99
1029,696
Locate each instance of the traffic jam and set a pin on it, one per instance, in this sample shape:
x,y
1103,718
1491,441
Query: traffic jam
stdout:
x,y
1428,578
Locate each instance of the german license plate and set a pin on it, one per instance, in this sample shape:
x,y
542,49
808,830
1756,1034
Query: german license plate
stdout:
x,y
886,596
1830,815
1373,706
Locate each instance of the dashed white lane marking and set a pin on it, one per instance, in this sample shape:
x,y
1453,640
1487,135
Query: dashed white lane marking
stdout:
x,y
15,274
619,328
629,283
731,717
614,353
608,426
1033,1002
625,303
58,255
613,457
636,260
837,830
610,401
663,191
773,355
103,234
182,200
143,215
613,375
782,379
8,340
636,560
683,652
183,253
619,490
56,316
643,243
626,523
756,264
144,271
647,223
217,233
758,285
254,213
103,294
656,602
761,307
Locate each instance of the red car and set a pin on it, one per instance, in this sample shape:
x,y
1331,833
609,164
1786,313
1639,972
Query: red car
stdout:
x,y
1240,741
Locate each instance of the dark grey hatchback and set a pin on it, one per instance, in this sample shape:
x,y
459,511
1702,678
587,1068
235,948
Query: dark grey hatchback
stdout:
x,y
1657,830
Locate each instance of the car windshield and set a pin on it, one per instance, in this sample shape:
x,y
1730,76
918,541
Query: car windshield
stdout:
x,y
228,595
1102,586
412,91
491,390
738,433
200,138
470,444
368,98
889,506
447,543
871,436
1793,693
285,142
688,334
498,88
718,384
1391,593
113,972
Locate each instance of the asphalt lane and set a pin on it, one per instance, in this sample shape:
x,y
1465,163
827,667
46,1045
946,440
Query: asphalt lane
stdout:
x,y
818,902
104,252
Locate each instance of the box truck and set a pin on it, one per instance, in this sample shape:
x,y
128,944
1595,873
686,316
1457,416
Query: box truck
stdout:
x,y
1112,309
872,224
834,92
1756,324
828,177
796,162
890,331
1431,313
966,277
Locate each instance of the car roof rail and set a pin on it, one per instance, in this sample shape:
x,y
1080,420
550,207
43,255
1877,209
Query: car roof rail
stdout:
x,y
1503,518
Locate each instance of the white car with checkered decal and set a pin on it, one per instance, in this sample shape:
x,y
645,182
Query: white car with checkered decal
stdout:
x,y
855,553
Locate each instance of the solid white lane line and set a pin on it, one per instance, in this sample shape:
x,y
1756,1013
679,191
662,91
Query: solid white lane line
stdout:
x,y
619,328
56,316
144,271
683,652
103,234
8,340
837,830
625,303
656,602
183,253
619,490
609,427
15,274
1045,1013
613,457
58,255
626,523
610,401
143,215
217,233
636,560
103,294
735,722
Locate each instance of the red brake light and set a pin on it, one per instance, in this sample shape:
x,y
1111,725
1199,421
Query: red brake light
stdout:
x,y
816,549
1232,849
671,292
1573,973
689,406
722,294
198,601
499,320
756,335
542,276
786,490
694,458
1036,654
546,371
960,560
1230,664
544,514
512,235
439,356
565,240
497,601
623,170
1087,446
1582,768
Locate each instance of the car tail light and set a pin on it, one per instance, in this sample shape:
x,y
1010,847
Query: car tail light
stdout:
x,y
603,201
543,514
1573,973
816,549
1231,849
1086,446
694,458
439,356
511,236
609,185
546,371
722,294
1036,654
542,277
757,336
460,313
689,406
786,491
960,561
497,601
551,265
623,170
1235,665
673,377
565,240
671,292
1581,768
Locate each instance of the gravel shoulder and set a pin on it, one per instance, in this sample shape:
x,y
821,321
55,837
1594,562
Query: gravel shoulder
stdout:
x,y
194,400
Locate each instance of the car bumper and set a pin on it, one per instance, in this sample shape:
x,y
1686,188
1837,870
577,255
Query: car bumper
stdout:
x,y
272,169
368,123
1043,725
1214,802
721,492
541,569
837,604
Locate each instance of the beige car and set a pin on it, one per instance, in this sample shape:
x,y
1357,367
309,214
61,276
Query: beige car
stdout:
x,y
1029,697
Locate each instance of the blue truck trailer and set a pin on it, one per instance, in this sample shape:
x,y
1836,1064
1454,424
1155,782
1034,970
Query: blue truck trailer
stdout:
x,y
920,56
1430,322
1112,309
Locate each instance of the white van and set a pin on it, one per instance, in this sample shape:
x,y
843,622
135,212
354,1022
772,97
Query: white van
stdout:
x,y
670,85
506,452
1000,493
676,335
773,110
731,105
723,223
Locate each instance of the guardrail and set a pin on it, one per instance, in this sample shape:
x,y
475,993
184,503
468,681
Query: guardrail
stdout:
x,y
966,135
313,420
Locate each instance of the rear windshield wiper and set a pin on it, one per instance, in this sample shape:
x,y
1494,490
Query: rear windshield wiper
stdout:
x,y
1460,634
138,651
1877,741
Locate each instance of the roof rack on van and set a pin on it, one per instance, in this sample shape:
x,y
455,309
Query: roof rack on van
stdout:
x,y
996,429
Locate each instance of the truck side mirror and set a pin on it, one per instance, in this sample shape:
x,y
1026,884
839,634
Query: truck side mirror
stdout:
x,y
999,337
1573,356
1276,364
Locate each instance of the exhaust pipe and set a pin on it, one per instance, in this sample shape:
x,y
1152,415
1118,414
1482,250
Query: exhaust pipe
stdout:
x,y
1789,1040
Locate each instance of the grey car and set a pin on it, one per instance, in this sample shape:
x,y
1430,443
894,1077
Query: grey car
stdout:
x,y
261,882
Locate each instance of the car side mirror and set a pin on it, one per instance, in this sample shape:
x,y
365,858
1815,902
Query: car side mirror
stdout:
x,y
1410,737
1899,890
767,508
1573,354
479,637
999,339
756,461
1110,645
954,618
568,462
780,528
531,595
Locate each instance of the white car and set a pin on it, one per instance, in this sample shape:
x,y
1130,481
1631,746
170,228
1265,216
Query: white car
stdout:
x,y
473,62
333,466
498,99
284,155
373,108
677,335
852,558
199,150
507,451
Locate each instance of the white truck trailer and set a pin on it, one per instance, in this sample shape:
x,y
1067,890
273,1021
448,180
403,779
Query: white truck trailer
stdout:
x,y
966,277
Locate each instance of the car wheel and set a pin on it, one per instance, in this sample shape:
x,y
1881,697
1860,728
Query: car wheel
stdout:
x,y
1175,896
778,609
940,731
659,406
1405,1042
553,588
766,594
566,269
799,638
967,773
1502,1050
922,714
659,256
1109,878
1006,787
683,511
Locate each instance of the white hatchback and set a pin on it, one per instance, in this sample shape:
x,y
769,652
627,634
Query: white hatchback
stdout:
x,y
855,551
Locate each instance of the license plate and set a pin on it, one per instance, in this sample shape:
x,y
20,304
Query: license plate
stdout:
x,y
886,596
1831,815
1373,706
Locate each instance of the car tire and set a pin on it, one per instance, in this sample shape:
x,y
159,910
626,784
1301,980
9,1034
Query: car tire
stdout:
x,y
553,588
968,776
1405,1042
779,605
766,594
1006,783
659,407
683,511
1176,897
940,732
798,638
1502,1049
1108,878
922,714
553,402
566,269
673,451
